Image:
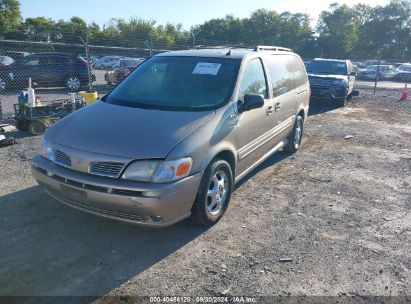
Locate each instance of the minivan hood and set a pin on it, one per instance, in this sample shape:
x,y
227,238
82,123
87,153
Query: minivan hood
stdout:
x,y
126,132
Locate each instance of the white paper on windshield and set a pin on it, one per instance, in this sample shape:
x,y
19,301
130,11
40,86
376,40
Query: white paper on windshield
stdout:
x,y
206,68
341,65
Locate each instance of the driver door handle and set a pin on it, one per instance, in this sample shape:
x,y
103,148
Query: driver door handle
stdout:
x,y
277,106
269,110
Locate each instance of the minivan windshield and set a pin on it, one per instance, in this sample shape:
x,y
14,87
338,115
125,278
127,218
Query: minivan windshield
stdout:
x,y
178,83
327,67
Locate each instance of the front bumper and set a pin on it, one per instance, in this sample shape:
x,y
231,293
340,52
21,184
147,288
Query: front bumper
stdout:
x,y
328,92
116,199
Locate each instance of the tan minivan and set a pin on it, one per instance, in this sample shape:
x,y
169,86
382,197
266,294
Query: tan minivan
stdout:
x,y
172,139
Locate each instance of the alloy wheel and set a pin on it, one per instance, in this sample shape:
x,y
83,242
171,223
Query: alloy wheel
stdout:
x,y
217,193
73,83
298,133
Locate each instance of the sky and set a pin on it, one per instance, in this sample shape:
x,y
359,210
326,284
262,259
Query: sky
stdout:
x,y
186,12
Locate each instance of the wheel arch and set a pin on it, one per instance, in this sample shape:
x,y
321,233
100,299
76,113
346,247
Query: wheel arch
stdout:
x,y
229,157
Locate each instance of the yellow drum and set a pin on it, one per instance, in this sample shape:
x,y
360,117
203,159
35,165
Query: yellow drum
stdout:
x,y
89,97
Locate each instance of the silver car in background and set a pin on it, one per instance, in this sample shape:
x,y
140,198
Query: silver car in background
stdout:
x,y
384,72
176,135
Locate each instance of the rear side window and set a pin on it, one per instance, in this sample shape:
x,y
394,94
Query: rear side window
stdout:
x,y
254,81
287,72
57,60
298,72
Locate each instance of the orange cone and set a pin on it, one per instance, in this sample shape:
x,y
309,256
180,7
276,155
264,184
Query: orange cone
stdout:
x,y
404,95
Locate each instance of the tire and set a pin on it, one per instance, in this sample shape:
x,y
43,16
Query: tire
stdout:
x,y
22,125
340,102
36,127
73,83
214,193
294,139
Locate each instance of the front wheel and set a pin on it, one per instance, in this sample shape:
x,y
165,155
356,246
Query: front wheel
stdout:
x,y
294,139
340,102
36,127
21,125
214,193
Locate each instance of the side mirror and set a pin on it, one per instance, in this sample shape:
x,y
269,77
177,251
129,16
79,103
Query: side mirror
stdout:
x,y
251,101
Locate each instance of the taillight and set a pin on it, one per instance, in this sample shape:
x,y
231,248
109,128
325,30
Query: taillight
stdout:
x,y
83,61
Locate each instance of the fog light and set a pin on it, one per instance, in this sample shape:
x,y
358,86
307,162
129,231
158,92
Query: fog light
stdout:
x,y
151,194
156,218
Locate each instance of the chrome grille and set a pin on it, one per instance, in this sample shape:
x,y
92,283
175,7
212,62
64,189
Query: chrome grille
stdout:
x,y
62,158
110,169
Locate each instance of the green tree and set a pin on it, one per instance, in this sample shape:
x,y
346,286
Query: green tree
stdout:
x,y
40,29
10,17
387,31
70,31
338,30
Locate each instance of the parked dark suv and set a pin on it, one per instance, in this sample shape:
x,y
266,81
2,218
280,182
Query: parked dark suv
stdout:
x,y
331,79
46,70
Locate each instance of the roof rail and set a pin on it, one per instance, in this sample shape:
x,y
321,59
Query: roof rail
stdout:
x,y
259,48
218,47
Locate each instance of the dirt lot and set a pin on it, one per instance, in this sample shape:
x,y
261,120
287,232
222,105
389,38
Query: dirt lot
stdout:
x,y
340,209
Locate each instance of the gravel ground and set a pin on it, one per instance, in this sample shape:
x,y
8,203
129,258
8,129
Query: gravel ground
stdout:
x,y
339,210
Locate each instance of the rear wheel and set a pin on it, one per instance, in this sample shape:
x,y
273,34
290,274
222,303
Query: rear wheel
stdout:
x,y
214,193
73,83
36,127
294,139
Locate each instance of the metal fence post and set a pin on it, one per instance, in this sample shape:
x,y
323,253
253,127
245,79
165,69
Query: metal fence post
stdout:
x,y
149,44
376,75
86,45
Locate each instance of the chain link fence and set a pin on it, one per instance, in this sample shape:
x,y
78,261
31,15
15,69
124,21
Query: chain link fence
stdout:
x,y
56,69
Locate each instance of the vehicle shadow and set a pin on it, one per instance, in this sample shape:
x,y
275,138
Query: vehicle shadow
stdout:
x,y
49,249
274,159
319,106
19,134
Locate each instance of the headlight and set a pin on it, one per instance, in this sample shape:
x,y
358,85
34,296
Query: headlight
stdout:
x,y
158,171
46,150
142,171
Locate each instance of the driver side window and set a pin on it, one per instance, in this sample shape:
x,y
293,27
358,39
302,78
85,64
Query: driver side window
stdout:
x,y
254,81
